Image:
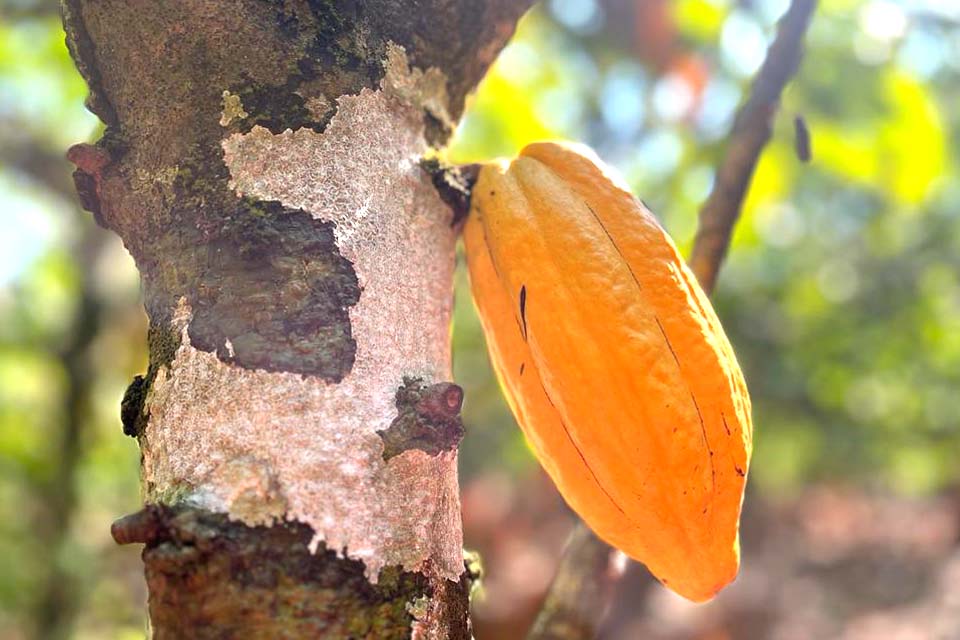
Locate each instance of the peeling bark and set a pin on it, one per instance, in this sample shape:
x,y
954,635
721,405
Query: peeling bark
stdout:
x,y
261,163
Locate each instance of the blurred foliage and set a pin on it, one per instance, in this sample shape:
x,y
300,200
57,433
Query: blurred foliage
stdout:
x,y
841,293
61,575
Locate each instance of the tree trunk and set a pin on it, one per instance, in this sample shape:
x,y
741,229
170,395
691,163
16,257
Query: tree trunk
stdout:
x,y
261,163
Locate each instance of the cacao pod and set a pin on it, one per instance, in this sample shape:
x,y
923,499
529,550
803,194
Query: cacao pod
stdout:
x,y
613,362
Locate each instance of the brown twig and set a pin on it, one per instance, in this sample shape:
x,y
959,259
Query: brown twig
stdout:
x,y
27,154
577,600
59,601
582,589
579,596
752,129
28,10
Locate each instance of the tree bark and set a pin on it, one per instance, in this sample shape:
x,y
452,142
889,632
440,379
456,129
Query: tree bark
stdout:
x,y
261,163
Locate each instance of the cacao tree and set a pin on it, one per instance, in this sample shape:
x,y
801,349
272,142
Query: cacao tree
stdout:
x,y
262,163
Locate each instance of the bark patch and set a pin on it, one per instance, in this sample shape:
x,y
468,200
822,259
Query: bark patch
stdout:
x,y
277,294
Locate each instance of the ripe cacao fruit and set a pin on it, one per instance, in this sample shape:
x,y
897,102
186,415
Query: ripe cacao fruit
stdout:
x,y
613,362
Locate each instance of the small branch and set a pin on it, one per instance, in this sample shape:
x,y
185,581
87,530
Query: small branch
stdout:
x,y
752,129
28,10
428,419
27,154
59,601
146,526
581,591
577,601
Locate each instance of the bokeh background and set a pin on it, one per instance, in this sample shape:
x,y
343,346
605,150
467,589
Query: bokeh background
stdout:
x,y
841,296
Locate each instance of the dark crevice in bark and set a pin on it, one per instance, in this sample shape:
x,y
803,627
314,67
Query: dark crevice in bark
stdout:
x,y
162,345
131,407
279,108
454,184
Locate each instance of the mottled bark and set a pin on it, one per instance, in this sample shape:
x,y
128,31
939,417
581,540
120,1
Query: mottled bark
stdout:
x,y
261,163
212,578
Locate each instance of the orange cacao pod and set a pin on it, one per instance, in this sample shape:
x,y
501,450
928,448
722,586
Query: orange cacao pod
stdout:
x,y
613,362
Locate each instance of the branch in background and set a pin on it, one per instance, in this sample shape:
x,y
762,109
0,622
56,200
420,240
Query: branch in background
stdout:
x,y
582,589
27,154
57,601
576,602
59,598
752,129
27,10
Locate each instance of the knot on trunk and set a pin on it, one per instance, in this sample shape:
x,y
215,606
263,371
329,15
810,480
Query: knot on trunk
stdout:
x,y
428,419
90,161
148,526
